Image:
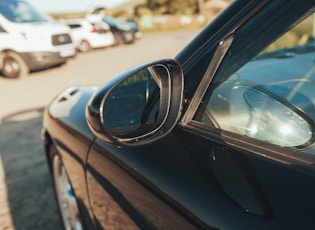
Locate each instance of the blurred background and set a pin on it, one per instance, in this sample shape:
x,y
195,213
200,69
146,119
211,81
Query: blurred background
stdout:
x,y
150,14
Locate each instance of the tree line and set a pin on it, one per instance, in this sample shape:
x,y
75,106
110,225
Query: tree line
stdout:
x,y
175,7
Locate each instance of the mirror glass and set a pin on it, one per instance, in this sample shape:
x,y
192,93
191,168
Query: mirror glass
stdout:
x,y
133,107
265,118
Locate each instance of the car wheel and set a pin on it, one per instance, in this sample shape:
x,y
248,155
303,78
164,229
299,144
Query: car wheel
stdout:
x,y
66,200
118,39
84,46
13,65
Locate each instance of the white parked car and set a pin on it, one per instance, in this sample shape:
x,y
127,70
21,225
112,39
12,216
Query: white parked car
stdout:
x,y
88,35
30,40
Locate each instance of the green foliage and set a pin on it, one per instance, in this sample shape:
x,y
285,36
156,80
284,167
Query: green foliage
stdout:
x,y
119,13
142,75
299,35
142,10
187,7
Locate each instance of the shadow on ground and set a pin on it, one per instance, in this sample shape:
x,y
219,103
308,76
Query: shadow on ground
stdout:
x,y
30,194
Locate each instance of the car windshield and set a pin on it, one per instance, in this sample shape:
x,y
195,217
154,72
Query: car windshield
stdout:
x,y
289,52
21,12
110,21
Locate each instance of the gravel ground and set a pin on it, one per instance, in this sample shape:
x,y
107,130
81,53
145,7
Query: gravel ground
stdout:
x,y
29,188
26,195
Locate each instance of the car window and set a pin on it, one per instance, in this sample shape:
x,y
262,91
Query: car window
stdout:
x,y
74,26
20,12
272,97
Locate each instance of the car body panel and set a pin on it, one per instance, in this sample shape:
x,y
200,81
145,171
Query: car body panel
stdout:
x,y
213,192
133,204
64,125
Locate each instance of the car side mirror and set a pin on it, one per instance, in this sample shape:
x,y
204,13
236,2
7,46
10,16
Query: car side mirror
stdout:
x,y
139,106
266,116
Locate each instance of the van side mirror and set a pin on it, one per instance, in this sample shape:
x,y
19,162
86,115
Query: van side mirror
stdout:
x,y
139,106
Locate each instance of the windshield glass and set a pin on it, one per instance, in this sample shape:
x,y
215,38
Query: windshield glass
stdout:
x,y
299,40
110,21
21,12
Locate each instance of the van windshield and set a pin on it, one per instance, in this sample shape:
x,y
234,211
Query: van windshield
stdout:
x,y
21,12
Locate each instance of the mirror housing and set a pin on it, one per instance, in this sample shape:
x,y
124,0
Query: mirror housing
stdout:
x,y
118,112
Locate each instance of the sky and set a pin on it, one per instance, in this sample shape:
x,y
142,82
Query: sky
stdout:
x,y
61,6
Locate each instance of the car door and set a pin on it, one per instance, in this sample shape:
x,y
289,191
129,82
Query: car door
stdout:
x,y
251,121
232,162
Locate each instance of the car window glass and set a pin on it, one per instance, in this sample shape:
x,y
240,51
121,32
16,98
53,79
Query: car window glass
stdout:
x,y
74,26
271,98
20,12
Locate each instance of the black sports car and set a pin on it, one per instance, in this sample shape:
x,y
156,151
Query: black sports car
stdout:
x,y
220,137
124,32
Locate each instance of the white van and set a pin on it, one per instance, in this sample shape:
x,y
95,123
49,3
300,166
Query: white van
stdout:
x,y
30,40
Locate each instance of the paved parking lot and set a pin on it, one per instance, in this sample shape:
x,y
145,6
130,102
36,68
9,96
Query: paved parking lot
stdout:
x,y
26,197
93,68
